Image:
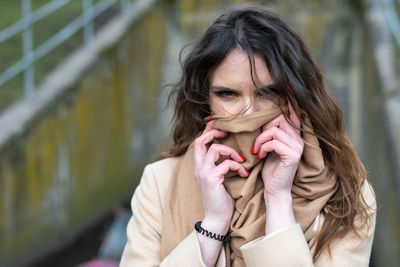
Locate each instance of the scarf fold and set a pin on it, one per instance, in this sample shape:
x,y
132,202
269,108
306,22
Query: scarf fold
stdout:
x,y
312,187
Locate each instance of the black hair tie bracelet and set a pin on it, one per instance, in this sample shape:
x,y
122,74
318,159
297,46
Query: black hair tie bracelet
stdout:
x,y
223,238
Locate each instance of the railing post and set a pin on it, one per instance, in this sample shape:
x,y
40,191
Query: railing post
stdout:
x,y
29,78
88,26
393,20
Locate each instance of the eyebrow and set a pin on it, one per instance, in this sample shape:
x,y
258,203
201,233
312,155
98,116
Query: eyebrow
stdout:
x,y
221,88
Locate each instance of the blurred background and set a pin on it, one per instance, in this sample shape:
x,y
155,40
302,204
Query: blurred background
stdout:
x,y
82,110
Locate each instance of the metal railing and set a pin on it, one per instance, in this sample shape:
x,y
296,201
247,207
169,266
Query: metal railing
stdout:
x,y
30,55
393,19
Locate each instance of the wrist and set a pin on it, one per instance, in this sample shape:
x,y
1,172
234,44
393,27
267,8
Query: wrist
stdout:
x,y
205,232
218,226
278,198
279,212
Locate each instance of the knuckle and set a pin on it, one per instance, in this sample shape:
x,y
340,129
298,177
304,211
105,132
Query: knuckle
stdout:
x,y
197,142
217,146
218,133
263,137
230,163
263,147
227,162
213,148
212,131
274,130
208,157
235,166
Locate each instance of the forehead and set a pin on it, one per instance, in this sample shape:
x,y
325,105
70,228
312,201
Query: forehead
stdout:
x,y
235,68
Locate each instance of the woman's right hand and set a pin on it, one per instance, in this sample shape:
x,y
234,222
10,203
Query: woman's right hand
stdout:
x,y
218,204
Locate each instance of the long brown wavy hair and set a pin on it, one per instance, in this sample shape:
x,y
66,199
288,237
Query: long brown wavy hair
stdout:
x,y
257,30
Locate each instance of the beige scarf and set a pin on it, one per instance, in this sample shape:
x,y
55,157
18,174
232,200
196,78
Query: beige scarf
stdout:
x,y
312,187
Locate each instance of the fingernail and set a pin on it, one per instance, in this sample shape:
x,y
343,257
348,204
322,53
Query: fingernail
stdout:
x,y
212,115
252,150
247,173
258,155
290,87
242,157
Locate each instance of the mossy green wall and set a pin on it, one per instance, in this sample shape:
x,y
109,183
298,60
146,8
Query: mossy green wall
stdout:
x,y
87,151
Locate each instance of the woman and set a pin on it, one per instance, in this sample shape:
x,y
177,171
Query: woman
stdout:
x,y
261,171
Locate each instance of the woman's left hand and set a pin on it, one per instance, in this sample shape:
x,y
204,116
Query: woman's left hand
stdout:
x,y
284,147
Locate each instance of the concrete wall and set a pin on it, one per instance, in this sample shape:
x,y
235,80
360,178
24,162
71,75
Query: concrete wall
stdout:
x,y
86,151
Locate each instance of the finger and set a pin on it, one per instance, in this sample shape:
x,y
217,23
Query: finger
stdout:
x,y
209,136
216,150
283,124
227,165
274,133
209,126
200,144
281,149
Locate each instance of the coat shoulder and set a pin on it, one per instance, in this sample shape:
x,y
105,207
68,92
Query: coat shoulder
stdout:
x,y
163,168
368,194
159,174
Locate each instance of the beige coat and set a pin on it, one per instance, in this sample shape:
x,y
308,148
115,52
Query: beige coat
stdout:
x,y
286,247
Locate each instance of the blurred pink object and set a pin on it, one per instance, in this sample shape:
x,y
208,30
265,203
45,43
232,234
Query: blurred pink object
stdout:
x,y
98,262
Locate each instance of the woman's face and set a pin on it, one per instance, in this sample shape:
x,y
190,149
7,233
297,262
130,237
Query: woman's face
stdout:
x,y
232,90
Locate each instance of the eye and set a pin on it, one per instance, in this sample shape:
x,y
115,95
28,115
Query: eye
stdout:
x,y
265,92
259,94
226,93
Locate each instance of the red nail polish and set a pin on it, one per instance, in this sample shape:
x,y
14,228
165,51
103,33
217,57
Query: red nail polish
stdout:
x,y
290,87
252,150
247,173
242,157
212,115
258,155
